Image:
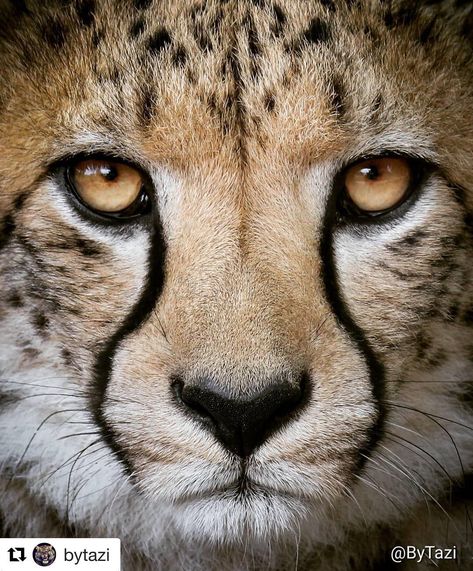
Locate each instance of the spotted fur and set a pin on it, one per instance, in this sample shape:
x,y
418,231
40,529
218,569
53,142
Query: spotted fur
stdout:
x,y
243,114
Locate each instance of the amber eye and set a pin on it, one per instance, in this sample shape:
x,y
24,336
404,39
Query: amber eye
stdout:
x,y
379,184
109,187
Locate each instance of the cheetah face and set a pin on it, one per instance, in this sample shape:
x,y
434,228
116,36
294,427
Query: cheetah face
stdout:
x,y
234,263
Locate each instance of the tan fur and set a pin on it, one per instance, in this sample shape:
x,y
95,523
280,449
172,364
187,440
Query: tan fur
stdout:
x,y
243,121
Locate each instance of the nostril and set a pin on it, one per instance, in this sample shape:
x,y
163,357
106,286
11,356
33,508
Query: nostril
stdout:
x,y
189,396
289,405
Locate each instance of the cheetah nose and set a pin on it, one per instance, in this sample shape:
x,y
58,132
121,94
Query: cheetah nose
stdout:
x,y
242,422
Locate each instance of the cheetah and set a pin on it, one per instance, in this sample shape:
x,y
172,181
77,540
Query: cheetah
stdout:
x,y
236,280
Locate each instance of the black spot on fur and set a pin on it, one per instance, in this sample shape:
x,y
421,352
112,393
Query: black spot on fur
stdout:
x,y
7,399
467,28
225,115
254,48
212,102
235,111
376,107
86,12
190,76
338,97
113,74
413,238
30,353
31,248
179,56
97,37
468,222
424,343
269,102
253,40
15,300
147,106
329,4
279,14
142,4
40,321
317,32
466,396
427,34
85,246
158,41
137,28
88,248
467,317
7,229
67,357
20,6
453,311
279,20
389,20
203,40
216,19
437,359
370,34
20,201
54,34
402,17
451,242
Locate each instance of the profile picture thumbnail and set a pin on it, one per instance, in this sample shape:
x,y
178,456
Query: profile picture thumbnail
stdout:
x,y
44,554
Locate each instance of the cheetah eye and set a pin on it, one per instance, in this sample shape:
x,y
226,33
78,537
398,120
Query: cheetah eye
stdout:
x,y
110,188
376,186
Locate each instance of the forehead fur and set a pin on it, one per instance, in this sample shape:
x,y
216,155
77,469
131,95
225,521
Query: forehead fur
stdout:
x,y
179,82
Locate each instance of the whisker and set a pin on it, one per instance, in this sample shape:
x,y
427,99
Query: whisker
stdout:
x,y
430,415
94,433
109,507
347,490
70,459
69,482
20,399
434,418
391,434
39,385
409,475
380,490
88,476
45,420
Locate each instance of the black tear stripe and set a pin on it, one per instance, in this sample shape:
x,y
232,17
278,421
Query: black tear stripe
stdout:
x,y
137,316
334,296
8,224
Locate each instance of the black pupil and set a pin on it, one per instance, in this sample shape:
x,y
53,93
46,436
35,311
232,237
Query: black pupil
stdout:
x,y
109,172
370,172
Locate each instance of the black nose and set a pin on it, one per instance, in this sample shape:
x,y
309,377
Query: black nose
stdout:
x,y
242,422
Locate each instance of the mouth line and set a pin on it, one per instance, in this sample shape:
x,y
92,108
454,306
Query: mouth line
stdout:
x,y
242,489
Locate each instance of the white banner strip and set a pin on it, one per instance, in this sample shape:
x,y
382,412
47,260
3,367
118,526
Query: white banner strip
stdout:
x,y
59,554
